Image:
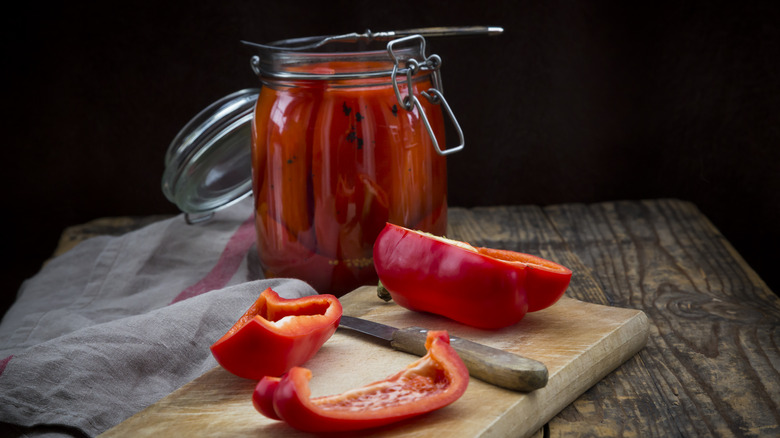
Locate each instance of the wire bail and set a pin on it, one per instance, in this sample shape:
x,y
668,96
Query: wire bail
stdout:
x,y
434,95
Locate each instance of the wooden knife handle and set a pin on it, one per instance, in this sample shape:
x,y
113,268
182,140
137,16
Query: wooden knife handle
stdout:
x,y
488,364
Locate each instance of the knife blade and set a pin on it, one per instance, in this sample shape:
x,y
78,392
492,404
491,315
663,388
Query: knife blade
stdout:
x,y
488,364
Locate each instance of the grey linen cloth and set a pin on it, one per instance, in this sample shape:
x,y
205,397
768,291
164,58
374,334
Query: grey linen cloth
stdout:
x,y
116,323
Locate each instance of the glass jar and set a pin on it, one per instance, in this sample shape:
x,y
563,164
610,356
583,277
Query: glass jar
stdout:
x,y
339,148
340,139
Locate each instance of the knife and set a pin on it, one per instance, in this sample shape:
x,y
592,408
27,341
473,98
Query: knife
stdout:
x,y
488,364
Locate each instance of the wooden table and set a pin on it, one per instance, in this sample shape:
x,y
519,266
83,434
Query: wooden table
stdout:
x,y
712,362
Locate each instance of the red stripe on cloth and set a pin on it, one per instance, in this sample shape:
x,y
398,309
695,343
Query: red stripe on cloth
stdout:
x,y
228,263
4,362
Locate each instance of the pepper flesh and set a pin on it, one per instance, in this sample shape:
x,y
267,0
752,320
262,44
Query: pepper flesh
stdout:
x,y
545,281
436,380
481,287
276,334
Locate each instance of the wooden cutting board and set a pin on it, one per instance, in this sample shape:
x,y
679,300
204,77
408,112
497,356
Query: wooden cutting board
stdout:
x,y
579,343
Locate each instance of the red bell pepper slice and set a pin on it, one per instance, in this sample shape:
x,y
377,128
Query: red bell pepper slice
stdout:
x,y
276,334
545,281
482,287
432,382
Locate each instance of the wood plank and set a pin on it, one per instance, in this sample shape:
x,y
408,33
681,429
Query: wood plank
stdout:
x,y
711,364
579,342
714,322
611,407
525,229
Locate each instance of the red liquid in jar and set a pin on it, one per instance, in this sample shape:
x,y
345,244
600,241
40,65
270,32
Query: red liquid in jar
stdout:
x,y
332,162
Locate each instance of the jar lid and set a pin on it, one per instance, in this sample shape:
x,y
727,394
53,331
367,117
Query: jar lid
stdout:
x,y
208,164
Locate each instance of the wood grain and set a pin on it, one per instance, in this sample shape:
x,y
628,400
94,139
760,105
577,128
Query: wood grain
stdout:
x,y
578,342
712,363
711,366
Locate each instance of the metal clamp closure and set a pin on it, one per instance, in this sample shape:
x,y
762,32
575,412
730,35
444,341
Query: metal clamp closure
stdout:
x,y
434,95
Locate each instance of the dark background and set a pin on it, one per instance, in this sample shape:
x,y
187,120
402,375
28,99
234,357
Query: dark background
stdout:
x,y
575,102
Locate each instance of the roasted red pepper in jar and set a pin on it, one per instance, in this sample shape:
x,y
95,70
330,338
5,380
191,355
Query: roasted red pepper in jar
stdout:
x,y
333,160
482,287
276,334
432,382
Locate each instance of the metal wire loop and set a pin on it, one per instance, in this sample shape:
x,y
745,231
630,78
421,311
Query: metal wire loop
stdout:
x,y
412,65
433,62
434,95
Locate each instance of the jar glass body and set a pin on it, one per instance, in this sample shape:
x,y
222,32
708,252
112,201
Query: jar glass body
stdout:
x,y
333,160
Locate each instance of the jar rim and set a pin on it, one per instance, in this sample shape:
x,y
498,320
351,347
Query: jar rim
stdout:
x,y
354,61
